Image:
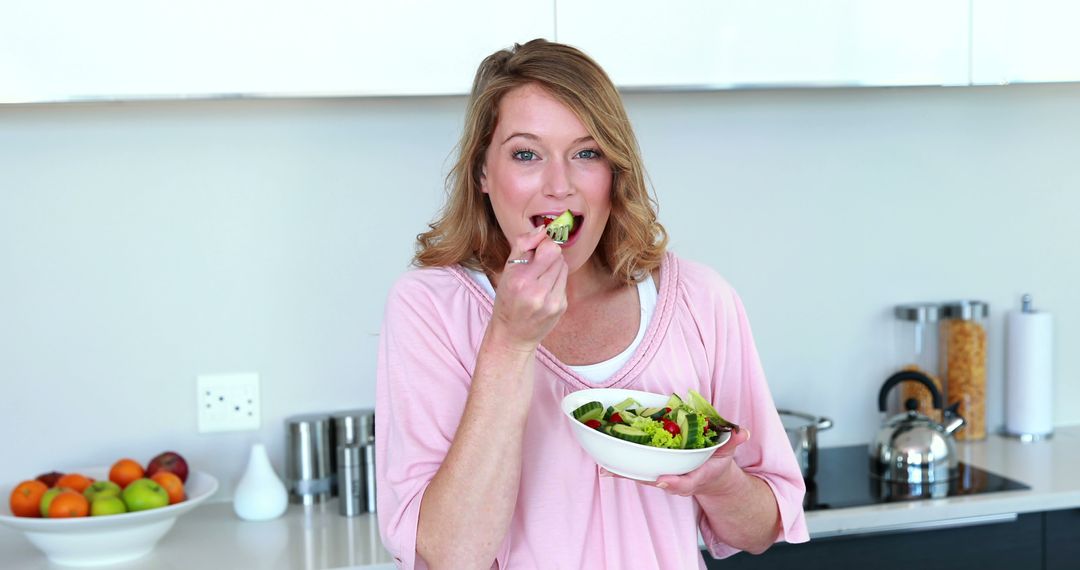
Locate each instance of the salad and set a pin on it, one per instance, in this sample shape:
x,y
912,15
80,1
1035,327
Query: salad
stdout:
x,y
692,423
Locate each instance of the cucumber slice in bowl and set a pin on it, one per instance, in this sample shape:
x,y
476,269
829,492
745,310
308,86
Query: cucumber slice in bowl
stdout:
x,y
652,413
695,431
627,433
589,411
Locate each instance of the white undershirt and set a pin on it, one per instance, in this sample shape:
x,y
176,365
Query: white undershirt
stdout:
x,y
601,371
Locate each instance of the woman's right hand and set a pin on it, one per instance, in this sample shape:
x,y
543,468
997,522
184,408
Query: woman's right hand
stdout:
x,y
531,296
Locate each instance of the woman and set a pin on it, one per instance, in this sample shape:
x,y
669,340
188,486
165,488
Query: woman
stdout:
x,y
477,468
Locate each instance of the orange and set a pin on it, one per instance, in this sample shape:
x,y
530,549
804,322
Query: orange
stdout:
x,y
172,484
26,498
125,471
74,481
69,504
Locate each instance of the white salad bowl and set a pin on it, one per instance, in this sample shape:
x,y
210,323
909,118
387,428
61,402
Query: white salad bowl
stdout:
x,y
627,459
97,541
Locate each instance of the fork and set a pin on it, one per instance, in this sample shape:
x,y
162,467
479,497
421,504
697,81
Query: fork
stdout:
x,y
559,234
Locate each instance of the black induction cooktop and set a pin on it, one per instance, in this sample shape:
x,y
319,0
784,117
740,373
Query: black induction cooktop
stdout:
x,y
843,480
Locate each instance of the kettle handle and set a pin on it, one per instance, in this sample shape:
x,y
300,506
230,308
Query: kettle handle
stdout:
x,y
913,376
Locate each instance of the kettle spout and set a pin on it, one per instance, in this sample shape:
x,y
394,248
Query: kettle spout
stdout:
x,y
953,420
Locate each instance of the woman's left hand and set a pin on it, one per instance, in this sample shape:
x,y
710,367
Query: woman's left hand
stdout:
x,y
714,477
740,508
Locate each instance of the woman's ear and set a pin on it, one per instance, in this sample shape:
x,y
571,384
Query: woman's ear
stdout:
x,y
483,180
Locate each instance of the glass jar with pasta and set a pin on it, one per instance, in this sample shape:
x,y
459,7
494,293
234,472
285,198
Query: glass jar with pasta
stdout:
x,y
963,363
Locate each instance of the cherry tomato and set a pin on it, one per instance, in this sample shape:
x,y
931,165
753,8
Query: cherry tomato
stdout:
x,y
616,418
671,427
595,424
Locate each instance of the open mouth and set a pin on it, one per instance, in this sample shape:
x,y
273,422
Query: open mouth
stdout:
x,y
546,219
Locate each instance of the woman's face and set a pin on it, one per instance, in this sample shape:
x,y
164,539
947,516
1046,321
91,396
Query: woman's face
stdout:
x,y
540,163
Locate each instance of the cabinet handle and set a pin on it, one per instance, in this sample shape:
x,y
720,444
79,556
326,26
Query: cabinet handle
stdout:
x,y
927,525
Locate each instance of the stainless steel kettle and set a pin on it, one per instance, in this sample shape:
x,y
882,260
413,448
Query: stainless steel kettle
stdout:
x,y
911,447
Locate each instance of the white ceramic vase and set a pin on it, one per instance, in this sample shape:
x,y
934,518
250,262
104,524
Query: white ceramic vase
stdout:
x,y
260,495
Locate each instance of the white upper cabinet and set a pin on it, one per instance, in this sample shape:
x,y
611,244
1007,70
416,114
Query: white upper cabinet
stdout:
x,y
64,50
56,50
1017,41
725,43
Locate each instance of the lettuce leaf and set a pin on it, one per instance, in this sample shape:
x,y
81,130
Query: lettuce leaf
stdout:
x,y
660,436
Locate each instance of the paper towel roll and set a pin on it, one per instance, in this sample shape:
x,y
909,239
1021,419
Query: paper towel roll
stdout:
x,y
1029,378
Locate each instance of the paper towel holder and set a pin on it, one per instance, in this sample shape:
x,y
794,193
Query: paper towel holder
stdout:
x,y
1027,309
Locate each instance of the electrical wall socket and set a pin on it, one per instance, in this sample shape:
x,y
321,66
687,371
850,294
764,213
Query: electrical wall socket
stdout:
x,y
228,402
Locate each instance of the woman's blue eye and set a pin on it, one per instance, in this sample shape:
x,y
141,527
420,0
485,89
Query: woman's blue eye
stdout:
x,y
524,155
588,154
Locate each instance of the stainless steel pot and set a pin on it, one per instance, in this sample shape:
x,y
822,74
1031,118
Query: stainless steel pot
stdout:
x,y
802,430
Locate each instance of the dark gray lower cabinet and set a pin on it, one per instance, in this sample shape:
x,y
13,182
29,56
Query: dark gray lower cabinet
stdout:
x,y
1063,539
1015,545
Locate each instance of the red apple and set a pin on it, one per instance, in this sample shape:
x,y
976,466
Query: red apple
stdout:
x,y
170,461
50,478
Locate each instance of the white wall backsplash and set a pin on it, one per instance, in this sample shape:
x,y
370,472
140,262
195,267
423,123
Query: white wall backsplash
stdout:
x,y
143,244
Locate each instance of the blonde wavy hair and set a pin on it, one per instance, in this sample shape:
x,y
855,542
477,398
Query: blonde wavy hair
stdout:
x,y
466,231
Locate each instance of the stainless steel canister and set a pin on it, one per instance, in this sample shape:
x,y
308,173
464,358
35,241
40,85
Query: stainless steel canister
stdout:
x,y
350,480
354,426
369,477
354,436
309,458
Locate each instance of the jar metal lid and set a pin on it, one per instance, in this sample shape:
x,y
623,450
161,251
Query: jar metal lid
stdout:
x,y
354,427
917,312
965,310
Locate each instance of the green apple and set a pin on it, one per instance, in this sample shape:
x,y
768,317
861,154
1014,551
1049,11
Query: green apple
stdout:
x,y
101,489
46,499
107,505
143,494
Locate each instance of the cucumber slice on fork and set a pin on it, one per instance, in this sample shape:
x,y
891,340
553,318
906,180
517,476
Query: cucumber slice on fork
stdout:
x,y
559,228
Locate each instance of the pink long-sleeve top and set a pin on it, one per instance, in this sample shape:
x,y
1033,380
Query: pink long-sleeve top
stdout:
x,y
568,515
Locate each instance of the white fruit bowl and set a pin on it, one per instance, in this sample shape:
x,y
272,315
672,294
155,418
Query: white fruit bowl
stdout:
x,y
97,541
632,460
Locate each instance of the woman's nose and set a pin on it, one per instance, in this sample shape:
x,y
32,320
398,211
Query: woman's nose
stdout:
x,y
557,180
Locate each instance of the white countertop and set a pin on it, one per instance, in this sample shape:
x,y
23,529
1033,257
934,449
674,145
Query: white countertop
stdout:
x,y
211,537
